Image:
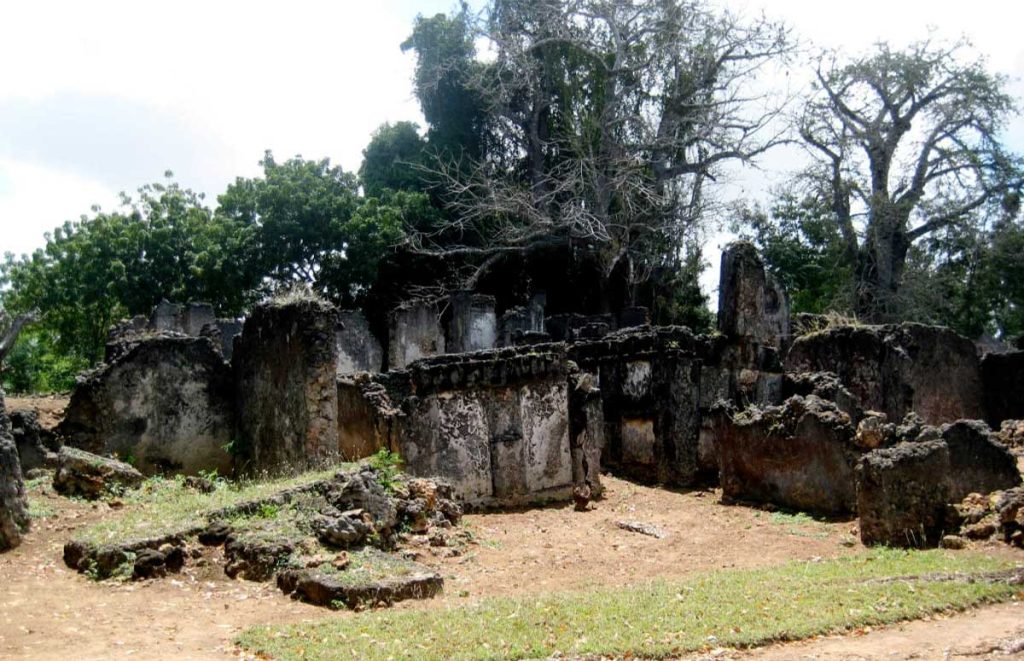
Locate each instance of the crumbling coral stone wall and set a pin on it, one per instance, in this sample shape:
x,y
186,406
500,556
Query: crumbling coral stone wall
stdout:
x,y
494,423
751,303
286,392
799,456
898,369
369,414
517,322
164,405
358,349
649,381
14,519
473,325
414,332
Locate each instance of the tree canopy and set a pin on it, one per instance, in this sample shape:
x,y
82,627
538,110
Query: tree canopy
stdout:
x,y
605,121
906,144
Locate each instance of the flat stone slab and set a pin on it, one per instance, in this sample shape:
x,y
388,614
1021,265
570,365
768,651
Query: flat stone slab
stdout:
x,y
375,579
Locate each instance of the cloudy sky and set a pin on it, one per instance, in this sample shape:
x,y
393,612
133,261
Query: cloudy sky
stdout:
x,y
102,96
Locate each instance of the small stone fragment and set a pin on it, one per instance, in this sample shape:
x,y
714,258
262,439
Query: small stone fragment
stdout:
x,y
952,542
642,528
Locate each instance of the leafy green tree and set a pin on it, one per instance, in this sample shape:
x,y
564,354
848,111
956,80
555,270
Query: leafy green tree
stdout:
x,y
296,211
907,145
803,249
394,160
90,273
446,67
305,222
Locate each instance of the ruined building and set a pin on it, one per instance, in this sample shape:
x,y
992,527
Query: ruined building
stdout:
x,y
513,406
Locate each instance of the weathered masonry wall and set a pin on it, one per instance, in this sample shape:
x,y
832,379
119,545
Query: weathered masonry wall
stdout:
x,y
358,349
414,332
369,413
473,325
929,370
14,518
496,424
649,385
165,404
286,395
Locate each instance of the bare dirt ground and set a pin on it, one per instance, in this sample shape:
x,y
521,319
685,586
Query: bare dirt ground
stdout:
x,y
50,612
49,407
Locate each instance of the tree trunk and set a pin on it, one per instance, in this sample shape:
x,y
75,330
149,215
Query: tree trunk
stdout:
x,y
880,267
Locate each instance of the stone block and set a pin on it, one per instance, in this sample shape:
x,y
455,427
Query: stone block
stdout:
x,y
798,456
902,494
980,463
750,302
86,475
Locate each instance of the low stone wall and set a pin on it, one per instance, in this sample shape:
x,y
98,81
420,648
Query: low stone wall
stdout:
x,y
495,424
929,370
286,390
164,404
902,494
799,456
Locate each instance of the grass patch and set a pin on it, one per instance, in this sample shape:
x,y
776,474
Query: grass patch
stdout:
x,y
732,608
369,565
799,524
164,505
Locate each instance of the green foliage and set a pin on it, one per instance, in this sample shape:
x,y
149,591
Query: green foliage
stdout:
x,y
445,67
393,159
678,298
388,466
308,227
734,608
164,244
35,365
268,511
803,249
162,506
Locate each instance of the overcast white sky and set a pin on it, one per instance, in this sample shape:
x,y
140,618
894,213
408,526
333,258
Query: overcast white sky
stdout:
x,y
102,96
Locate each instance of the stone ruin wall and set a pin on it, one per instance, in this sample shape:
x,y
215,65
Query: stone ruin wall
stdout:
x,y
14,518
165,404
286,395
774,418
496,424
